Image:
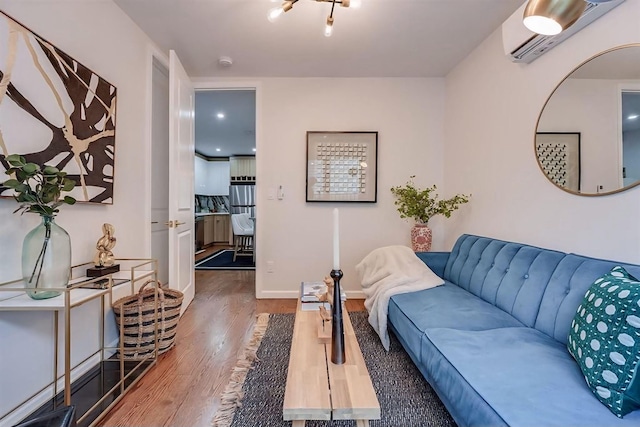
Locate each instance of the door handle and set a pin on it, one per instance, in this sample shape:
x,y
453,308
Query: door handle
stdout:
x,y
177,223
169,224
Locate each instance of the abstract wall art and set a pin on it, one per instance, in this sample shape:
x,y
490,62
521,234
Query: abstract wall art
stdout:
x,y
559,158
55,111
342,166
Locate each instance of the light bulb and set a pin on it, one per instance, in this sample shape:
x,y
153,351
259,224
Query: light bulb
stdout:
x,y
542,25
328,29
550,17
275,13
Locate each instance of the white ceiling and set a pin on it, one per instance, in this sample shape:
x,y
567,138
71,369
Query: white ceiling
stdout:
x,y
383,38
235,134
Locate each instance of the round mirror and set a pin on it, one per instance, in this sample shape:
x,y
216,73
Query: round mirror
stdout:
x,y
587,140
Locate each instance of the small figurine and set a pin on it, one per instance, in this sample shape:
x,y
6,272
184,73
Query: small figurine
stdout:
x,y
104,256
328,296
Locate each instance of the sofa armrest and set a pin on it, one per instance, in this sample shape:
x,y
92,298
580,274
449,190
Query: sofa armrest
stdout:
x,y
436,261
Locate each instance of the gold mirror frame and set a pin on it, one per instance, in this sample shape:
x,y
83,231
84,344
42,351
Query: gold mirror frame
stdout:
x,y
535,151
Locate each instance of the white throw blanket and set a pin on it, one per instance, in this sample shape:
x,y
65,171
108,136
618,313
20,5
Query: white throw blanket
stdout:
x,y
388,271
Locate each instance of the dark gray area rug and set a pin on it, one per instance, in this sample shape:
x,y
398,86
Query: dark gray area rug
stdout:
x,y
406,399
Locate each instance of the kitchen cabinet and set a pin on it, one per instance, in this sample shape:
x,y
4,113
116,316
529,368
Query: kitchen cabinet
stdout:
x,y
211,177
209,227
216,228
242,168
221,228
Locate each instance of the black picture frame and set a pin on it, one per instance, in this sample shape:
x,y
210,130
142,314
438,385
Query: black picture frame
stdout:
x,y
342,167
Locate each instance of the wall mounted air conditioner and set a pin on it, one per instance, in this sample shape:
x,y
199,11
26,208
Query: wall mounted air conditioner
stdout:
x,y
522,45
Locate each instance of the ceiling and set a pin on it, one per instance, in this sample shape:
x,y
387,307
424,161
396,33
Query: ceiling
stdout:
x,y
233,134
383,38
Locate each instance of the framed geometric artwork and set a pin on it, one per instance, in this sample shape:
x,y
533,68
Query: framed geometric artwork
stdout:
x,y
55,111
559,158
342,167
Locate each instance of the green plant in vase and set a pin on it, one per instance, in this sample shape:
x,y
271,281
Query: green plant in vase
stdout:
x,y
46,250
422,204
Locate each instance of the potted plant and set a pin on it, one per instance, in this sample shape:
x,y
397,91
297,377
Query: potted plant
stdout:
x,y
46,250
421,205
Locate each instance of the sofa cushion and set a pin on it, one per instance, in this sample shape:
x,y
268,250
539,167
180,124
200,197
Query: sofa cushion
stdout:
x,y
527,378
445,306
605,340
508,275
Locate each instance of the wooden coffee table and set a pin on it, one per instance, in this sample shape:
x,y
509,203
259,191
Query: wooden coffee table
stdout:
x,y
320,390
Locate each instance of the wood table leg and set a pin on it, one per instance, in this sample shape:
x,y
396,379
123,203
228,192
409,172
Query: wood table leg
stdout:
x,y
300,423
362,423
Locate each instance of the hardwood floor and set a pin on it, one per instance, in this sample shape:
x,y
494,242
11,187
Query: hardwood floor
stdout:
x,y
184,389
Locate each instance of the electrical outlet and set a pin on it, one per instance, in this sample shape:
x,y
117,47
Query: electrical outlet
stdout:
x,y
270,266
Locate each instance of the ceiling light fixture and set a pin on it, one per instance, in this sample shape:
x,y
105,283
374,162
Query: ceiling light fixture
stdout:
x,y
551,17
633,116
225,62
328,29
254,150
220,115
217,149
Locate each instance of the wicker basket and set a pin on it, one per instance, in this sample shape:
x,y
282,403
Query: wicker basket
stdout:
x,y
136,315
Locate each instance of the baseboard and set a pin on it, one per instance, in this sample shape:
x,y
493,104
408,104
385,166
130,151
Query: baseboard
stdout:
x,y
294,294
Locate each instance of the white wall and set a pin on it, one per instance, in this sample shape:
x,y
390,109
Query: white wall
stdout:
x,y
491,112
295,235
589,106
102,37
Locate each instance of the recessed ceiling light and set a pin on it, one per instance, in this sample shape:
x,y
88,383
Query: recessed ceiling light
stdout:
x,y
633,116
220,115
217,149
254,150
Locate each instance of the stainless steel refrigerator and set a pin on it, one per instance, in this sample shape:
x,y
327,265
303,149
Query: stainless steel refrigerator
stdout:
x,y
242,198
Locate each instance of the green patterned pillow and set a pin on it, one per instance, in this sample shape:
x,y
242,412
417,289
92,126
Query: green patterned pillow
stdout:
x,y
605,340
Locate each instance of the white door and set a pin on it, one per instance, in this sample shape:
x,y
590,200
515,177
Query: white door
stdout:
x,y
181,192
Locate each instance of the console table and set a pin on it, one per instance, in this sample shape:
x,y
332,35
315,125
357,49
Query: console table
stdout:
x,y
13,297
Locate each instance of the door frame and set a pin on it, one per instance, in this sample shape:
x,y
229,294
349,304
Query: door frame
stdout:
x,y
212,84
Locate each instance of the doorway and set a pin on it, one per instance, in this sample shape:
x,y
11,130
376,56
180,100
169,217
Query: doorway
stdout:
x,y
159,168
225,181
630,135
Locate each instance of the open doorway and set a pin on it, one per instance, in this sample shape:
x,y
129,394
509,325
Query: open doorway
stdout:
x,y
160,167
225,180
630,134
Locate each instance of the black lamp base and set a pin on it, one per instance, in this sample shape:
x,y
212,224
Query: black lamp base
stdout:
x,y
337,328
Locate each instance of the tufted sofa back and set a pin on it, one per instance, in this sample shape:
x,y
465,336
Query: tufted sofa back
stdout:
x,y
541,288
569,282
509,275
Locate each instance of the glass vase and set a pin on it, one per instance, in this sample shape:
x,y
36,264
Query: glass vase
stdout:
x,y
46,259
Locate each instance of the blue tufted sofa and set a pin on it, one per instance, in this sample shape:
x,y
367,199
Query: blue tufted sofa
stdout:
x,y
492,341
